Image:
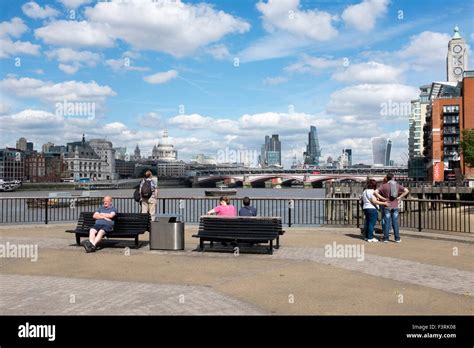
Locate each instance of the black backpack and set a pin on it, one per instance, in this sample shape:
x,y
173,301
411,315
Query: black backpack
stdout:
x,y
146,190
136,195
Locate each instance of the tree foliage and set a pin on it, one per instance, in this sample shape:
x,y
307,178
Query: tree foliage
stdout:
x,y
467,146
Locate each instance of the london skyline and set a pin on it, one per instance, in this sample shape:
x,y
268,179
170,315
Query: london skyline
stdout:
x,y
265,68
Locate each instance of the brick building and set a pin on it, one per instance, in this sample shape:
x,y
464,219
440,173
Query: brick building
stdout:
x,y
450,112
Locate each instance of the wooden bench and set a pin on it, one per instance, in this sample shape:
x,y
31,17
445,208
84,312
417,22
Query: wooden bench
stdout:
x,y
240,229
126,225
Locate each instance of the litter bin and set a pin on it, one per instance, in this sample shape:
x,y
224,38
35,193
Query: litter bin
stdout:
x,y
166,233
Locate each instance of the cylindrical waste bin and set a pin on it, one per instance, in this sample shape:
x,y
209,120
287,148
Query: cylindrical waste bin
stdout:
x,y
167,234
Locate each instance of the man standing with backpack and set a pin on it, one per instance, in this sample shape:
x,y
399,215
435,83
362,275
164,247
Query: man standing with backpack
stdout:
x,y
148,194
393,192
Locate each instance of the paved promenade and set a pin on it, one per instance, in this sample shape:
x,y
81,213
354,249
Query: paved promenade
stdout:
x,y
429,275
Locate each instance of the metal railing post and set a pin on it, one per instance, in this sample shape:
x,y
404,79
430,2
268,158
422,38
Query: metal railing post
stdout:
x,y
46,201
358,214
419,216
290,208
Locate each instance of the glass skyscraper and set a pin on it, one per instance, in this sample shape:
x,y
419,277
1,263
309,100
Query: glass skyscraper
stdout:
x,y
313,151
271,151
348,154
387,152
379,151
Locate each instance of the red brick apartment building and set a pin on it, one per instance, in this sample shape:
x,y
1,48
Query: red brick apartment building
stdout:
x,y
450,112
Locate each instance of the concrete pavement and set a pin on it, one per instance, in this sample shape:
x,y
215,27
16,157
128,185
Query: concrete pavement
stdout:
x,y
419,276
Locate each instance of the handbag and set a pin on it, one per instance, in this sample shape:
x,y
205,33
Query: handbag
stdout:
x,y
137,196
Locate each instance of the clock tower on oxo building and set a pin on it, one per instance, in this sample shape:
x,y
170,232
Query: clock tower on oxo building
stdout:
x,y
456,61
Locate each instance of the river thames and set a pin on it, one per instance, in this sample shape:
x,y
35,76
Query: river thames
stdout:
x,y
186,193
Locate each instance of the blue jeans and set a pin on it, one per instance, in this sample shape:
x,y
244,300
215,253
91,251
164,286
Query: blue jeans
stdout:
x,y
382,210
370,221
390,217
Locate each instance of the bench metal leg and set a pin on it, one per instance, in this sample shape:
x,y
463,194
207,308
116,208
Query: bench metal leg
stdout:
x,y
136,241
212,244
78,239
201,244
278,243
270,250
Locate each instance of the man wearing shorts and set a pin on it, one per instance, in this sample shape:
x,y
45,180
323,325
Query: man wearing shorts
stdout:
x,y
104,224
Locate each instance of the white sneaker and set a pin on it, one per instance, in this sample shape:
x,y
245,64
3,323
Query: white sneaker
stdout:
x,y
373,240
398,241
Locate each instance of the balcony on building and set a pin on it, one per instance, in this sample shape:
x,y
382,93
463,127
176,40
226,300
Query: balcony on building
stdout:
x,y
451,141
448,120
451,109
451,130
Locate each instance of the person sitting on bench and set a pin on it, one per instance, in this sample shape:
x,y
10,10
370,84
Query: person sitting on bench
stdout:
x,y
224,208
104,224
247,209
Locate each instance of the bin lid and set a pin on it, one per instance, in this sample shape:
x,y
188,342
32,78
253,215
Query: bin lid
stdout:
x,y
169,217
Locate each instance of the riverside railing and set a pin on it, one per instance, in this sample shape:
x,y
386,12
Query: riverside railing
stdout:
x,y
419,214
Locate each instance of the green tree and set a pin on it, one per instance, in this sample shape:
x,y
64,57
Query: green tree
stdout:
x,y
467,146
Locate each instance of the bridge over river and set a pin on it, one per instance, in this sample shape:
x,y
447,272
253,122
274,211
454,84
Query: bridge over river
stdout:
x,y
277,178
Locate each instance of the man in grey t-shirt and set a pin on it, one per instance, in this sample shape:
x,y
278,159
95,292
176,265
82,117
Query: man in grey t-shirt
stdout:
x,y
393,193
104,224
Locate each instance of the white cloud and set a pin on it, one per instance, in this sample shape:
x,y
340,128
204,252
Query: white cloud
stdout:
x,y
173,27
9,48
249,124
114,128
33,10
425,49
30,120
367,101
67,55
73,4
75,34
363,16
286,15
273,81
15,28
161,77
193,121
50,92
124,64
72,60
218,51
314,64
68,69
370,72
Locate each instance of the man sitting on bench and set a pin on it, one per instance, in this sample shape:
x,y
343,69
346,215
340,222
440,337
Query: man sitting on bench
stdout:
x,y
104,224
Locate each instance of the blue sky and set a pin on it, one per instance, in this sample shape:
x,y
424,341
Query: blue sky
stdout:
x,y
221,75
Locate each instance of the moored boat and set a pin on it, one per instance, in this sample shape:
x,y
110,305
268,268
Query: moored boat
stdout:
x,y
65,199
8,186
221,192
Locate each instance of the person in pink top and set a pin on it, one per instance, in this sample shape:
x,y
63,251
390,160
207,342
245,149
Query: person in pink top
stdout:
x,y
224,208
